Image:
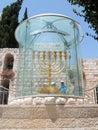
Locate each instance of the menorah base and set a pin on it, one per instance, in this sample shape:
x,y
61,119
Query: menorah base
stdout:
x,y
49,90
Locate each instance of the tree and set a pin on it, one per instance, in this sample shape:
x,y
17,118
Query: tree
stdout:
x,y
25,14
8,25
89,12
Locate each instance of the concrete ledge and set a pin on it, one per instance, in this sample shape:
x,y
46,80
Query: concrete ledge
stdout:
x,y
48,111
56,117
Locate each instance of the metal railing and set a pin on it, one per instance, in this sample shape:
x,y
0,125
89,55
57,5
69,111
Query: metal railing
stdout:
x,y
4,93
91,94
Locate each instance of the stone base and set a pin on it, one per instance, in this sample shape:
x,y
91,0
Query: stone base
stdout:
x,y
49,117
43,100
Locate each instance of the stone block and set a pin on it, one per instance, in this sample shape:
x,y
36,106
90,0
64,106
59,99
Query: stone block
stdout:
x,y
61,123
86,122
71,101
27,100
49,100
22,124
38,101
60,101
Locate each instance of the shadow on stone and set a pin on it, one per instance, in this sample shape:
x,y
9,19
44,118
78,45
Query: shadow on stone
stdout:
x,y
52,112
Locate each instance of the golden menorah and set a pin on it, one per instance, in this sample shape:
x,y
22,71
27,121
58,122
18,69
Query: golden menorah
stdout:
x,y
50,63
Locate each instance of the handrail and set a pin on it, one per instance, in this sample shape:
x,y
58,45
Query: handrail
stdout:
x,y
7,89
4,93
4,88
90,89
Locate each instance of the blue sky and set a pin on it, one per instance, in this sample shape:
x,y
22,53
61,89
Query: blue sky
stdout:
x,y
88,47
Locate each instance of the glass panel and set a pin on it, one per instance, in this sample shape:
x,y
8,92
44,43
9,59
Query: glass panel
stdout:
x,y
49,61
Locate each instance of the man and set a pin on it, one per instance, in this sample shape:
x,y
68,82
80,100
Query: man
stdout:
x,y
63,88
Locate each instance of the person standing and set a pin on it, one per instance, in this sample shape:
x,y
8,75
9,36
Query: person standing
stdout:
x,y
63,88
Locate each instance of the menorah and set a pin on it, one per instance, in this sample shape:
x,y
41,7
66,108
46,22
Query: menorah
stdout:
x,y
50,63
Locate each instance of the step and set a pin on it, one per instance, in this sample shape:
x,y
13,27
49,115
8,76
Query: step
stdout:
x,y
49,117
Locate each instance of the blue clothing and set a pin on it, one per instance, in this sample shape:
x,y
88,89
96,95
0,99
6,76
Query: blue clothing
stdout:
x,y
63,89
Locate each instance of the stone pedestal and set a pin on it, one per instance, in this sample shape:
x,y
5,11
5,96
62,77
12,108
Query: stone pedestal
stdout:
x,y
44,100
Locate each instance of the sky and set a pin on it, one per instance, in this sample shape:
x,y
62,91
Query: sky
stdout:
x,y
88,47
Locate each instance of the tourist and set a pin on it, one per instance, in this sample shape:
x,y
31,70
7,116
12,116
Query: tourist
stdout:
x,y
45,85
53,84
63,88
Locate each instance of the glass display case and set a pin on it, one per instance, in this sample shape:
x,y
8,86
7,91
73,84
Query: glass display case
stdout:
x,y
49,57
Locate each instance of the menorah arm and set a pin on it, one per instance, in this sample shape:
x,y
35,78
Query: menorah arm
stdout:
x,y
43,66
47,63
53,68
40,72
43,73
54,65
58,67
59,70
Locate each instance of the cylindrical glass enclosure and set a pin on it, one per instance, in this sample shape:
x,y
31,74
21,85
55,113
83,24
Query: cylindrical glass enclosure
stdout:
x,y
49,59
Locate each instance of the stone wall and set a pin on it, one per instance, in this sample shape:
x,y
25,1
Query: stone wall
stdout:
x,y
51,113
14,53
90,74
49,117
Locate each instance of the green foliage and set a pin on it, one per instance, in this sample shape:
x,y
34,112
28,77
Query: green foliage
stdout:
x,y
8,25
89,12
25,14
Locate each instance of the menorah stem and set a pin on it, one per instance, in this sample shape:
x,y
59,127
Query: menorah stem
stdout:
x,y
49,70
